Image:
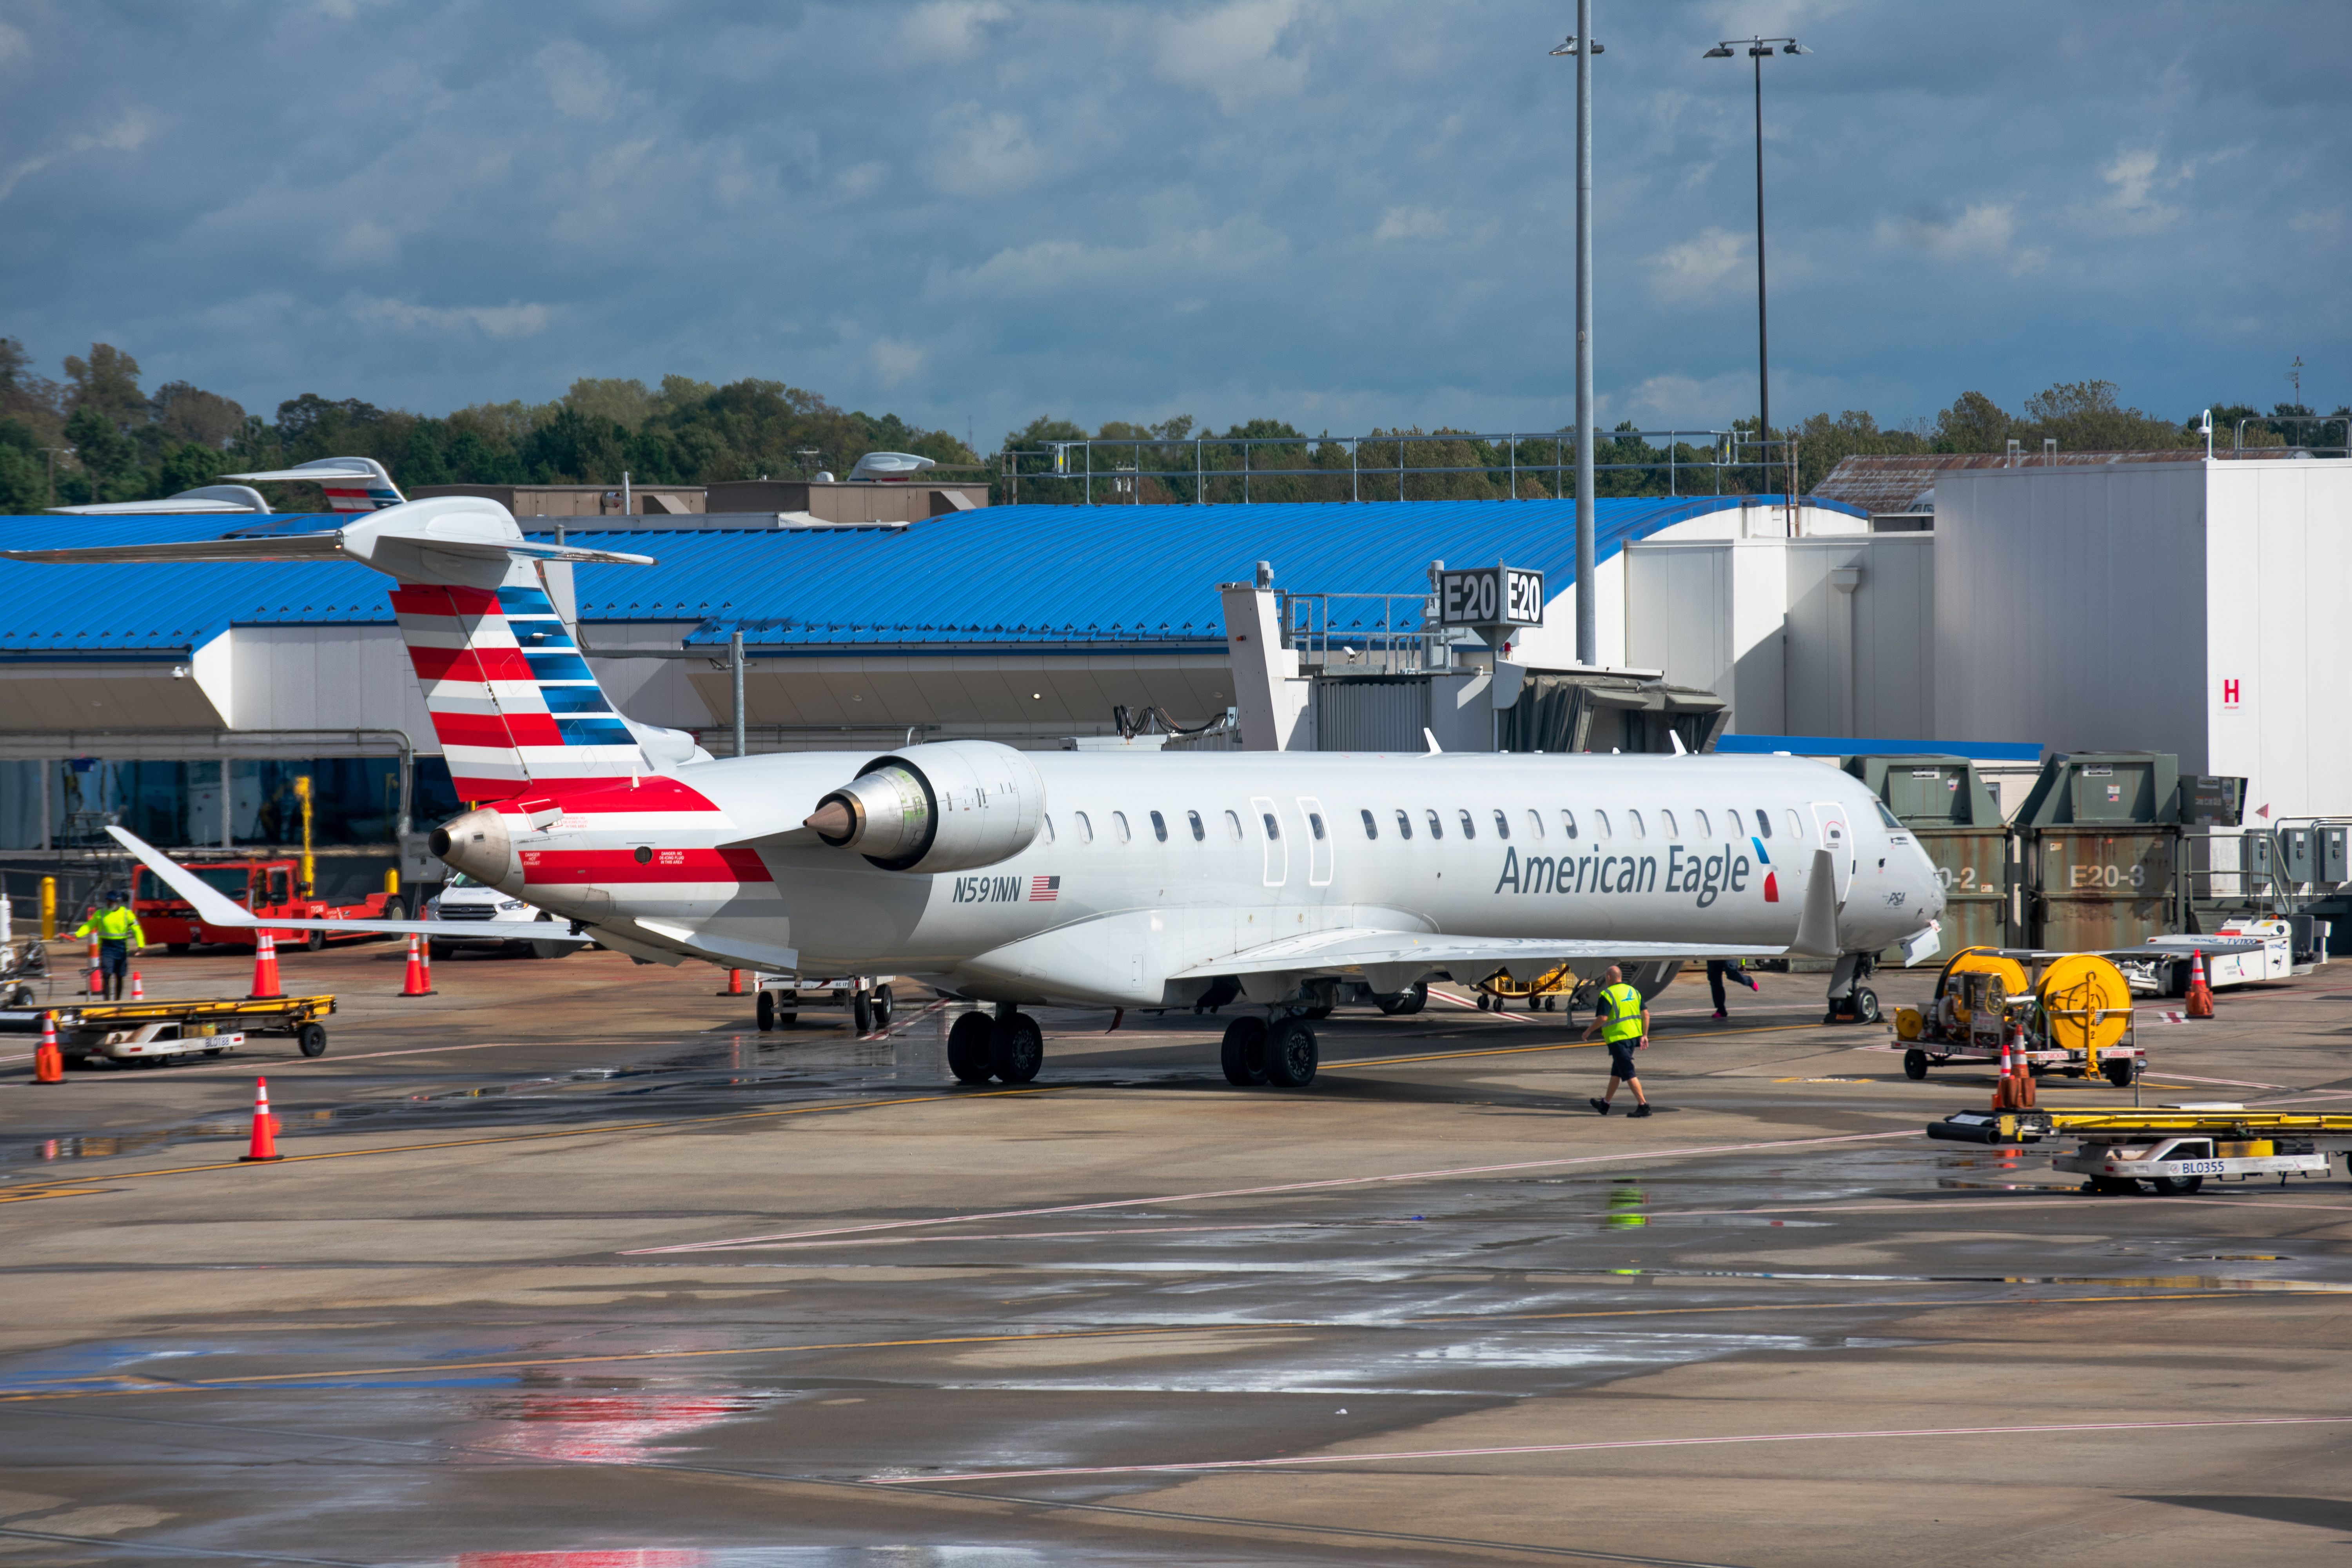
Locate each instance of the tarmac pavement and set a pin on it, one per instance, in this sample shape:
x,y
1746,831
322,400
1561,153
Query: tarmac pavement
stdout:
x,y
569,1261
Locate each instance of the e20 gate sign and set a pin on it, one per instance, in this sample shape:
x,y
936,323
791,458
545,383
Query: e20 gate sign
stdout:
x,y
1490,596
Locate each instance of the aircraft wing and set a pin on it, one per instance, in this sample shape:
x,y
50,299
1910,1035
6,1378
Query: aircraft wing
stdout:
x,y
215,908
1357,947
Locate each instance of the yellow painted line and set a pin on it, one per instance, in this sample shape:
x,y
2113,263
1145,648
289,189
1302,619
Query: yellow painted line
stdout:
x,y
49,1190
1569,1046
199,1385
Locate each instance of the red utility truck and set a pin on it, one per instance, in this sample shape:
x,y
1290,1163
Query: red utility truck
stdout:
x,y
267,887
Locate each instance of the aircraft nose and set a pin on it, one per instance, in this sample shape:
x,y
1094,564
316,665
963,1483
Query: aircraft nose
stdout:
x,y
477,844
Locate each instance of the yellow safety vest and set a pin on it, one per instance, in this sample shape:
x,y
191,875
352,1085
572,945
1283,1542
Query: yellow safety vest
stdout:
x,y
117,924
1623,1006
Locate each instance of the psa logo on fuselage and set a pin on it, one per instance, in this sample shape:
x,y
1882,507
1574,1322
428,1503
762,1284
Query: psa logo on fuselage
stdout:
x,y
1704,877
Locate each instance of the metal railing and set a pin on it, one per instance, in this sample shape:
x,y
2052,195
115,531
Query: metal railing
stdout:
x,y
1229,469
2238,440
1365,634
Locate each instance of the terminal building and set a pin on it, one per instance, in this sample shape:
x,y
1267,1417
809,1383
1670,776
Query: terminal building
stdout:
x,y
2164,605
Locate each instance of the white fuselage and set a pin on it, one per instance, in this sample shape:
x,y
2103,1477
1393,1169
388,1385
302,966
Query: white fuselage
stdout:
x,y
1148,866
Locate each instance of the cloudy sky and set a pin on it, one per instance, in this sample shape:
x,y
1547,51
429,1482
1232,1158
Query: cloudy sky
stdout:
x,y
1344,215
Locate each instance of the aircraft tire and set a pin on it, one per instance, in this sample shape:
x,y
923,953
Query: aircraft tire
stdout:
x,y
2119,1072
1016,1048
1417,998
1915,1065
1243,1051
2176,1187
884,1005
969,1056
1291,1054
1865,1004
861,1013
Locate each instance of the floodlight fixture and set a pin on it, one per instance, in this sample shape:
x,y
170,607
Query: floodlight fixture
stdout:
x,y
1720,52
1568,47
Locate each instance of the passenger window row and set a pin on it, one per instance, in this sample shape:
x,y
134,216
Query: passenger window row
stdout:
x,y
1737,824
1702,826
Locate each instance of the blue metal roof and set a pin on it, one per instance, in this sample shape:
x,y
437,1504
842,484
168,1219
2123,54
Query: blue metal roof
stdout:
x,y
1019,574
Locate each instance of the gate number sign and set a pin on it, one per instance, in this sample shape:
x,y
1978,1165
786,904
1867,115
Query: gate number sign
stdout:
x,y
1491,596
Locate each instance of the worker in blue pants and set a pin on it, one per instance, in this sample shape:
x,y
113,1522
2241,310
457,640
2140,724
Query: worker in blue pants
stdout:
x,y
1717,968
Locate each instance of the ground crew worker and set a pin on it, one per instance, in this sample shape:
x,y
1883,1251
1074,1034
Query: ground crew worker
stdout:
x,y
1716,969
1623,1021
118,933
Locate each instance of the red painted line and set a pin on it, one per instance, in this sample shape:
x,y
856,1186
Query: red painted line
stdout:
x,y
1325,1184
1436,994
1897,1432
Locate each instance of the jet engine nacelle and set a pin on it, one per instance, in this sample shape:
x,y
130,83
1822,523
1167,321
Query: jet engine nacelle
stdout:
x,y
950,805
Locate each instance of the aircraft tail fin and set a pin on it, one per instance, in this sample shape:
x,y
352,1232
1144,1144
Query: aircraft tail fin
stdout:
x,y
513,702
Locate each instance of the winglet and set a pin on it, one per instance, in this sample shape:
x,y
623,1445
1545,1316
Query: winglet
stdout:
x,y
1429,735
213,907
1817,933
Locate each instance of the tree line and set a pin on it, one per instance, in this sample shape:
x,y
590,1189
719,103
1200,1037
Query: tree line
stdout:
x,y
96,436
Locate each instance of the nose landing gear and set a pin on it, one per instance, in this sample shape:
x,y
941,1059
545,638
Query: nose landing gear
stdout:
x,y
1851,1002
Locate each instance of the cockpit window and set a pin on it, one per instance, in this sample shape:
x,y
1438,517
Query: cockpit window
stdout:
x,y
1887,816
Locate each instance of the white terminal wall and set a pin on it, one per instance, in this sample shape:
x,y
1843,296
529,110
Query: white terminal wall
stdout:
x,y
1826,631
2111,609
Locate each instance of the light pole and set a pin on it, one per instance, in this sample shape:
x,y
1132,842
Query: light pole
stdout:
x,y
1758,48
53,452
1580,45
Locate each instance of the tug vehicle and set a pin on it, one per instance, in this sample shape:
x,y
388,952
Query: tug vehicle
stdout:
x,y
2173,1148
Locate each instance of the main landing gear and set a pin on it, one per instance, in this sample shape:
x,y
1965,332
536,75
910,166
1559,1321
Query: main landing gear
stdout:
x,y
1282,1053
1009,1047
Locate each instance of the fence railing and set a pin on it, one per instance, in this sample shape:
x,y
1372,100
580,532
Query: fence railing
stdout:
x,y
1396,466
1369,634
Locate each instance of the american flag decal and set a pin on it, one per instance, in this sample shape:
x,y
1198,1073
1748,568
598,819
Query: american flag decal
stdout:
x,y
1044,889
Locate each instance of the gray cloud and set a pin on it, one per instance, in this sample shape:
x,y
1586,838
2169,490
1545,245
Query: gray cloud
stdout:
x,y
1340,214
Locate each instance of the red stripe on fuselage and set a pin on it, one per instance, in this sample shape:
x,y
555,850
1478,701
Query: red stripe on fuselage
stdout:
x,y
608,797
565,867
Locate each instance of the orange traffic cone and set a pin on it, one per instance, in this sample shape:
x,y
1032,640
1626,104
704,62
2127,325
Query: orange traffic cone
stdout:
x,y
265,1128
138,992
2004,1087
2021,1083
264,971
2200,995
416,982
734,983
49,1062
97,975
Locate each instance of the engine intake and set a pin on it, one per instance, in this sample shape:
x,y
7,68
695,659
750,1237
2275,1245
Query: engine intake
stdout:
x,y
951,805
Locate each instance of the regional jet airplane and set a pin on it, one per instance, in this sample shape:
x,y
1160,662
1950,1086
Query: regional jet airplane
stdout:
x,y
1265,880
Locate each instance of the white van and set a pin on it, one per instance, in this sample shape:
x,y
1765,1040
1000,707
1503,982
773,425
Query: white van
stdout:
x,y
463,899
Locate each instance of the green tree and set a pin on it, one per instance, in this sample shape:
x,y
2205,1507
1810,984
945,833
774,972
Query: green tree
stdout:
x,y
108,382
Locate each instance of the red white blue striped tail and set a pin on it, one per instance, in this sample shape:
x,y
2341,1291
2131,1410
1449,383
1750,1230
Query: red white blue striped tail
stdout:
x,y
513,702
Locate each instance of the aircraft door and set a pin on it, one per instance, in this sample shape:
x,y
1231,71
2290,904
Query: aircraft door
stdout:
x,y
1318,842
1278,850
1837,837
